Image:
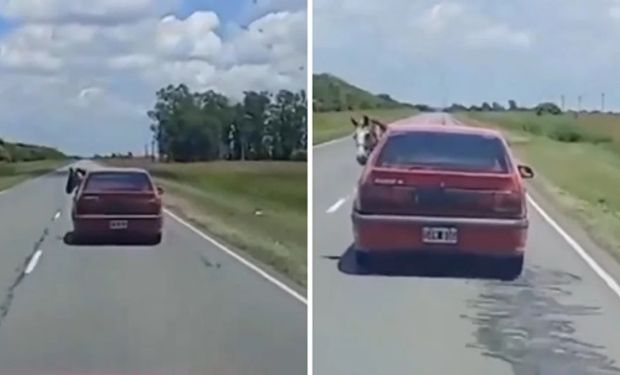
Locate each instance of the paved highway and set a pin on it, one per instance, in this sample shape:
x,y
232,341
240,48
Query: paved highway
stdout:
x,y
182,307
561,317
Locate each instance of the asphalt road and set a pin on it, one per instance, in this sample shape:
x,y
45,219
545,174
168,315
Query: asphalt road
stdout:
x,y
559,318
182,307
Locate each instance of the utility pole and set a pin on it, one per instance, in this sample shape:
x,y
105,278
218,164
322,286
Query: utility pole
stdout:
x,y
562,102
603,102
579,103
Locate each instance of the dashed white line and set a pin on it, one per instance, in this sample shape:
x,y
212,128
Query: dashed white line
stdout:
x,y
33,262
607,279
56,215
334,207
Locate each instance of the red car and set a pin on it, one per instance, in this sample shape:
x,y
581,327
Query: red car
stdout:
x,y
120,202
442,189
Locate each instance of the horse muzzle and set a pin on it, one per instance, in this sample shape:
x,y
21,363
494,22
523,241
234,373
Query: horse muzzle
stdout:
x,y
362,159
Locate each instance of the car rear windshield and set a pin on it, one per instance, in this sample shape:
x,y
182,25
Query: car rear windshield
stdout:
x,y
450,151
118,181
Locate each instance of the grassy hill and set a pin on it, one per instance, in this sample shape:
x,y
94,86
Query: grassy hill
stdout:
x,y
20,161
334,94
337,100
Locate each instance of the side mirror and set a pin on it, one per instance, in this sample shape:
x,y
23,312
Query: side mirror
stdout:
x,y
525,171
160,190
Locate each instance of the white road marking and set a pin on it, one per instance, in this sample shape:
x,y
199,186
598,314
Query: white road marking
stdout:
x,y
233,254
33,262
56,215
333,141
611,283
334,207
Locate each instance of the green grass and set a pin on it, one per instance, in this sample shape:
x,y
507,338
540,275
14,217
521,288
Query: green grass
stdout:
x,y
13,173
581,176
332,125
222,197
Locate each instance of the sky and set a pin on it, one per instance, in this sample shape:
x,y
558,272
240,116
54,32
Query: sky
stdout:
x,y
470,51
81,75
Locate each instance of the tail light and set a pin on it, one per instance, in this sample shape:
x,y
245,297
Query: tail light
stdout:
x,y
155,204
86,203
508,202
380,193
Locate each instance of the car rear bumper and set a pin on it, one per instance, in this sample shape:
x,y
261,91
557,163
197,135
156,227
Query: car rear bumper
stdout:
x,y
476,236
99,225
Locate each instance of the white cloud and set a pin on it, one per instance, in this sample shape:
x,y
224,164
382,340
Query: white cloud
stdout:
x,y
131,61
98,66
498,36
99,11
193,37
472,50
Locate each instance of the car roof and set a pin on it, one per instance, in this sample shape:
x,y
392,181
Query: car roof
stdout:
x,y
118,170
401,127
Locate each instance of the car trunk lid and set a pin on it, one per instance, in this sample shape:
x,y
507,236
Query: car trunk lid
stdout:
x,y
433,193
118,203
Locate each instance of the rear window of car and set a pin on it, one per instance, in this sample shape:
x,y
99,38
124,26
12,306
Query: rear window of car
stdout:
x,y
118,181
448,151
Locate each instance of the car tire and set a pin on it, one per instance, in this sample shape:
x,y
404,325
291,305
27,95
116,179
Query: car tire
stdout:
x,y
156,239
511,268
362,258
76,238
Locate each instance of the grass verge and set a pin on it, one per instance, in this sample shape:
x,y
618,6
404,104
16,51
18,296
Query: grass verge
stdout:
x,y
12,174
332,125
257,207
580,172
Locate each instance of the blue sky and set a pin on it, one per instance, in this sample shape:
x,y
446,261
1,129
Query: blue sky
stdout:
x,y
470,51
80,75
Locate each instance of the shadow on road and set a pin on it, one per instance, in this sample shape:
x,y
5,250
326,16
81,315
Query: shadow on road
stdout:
x,y
71,240
436,266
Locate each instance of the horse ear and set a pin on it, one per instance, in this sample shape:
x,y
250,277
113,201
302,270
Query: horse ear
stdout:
x,y
354,121
366,120
381,125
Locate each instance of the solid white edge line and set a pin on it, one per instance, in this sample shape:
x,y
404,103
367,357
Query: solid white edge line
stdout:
x,y
33,262
334,207
607,279
329,143
233,254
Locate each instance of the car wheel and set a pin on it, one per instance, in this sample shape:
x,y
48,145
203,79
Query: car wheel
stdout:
x,y
156,239
511,268
362,258
75,238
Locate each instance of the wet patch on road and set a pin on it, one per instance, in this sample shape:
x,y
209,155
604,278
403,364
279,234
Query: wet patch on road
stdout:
x,y
526,324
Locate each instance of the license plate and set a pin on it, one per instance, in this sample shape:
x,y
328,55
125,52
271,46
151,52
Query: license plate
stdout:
x,y
439,235
118,224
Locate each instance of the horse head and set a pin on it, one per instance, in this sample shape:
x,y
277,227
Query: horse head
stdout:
x,y
366,137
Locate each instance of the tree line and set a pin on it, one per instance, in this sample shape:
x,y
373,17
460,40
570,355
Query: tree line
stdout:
x,y
199,126
17,152
540,109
